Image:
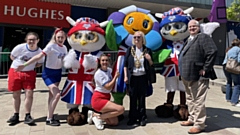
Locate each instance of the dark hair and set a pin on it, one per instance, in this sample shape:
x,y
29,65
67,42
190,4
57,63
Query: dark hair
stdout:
x,y
32,33
99,65
235,42
102,55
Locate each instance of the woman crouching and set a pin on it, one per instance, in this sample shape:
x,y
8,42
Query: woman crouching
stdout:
x,y
101,97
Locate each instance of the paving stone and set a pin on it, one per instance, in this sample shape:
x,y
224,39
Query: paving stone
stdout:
x,y
222,118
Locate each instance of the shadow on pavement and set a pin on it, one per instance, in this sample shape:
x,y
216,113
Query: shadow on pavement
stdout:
x,y
61,117
215,119
4,91
42,91
151,118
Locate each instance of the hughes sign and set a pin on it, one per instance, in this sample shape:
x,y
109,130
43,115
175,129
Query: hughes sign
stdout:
x,y
32,12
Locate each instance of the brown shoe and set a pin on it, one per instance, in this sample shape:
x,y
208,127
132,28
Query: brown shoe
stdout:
x,y
195,130
187,123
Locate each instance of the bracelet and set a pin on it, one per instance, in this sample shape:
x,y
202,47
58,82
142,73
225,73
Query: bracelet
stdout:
x,y
25,64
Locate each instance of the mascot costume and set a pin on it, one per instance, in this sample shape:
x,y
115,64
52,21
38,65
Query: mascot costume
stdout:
x,y
174,28
119,33
86,38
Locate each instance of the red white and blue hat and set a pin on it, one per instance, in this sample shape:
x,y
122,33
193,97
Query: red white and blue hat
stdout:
x,y
86,23
174,15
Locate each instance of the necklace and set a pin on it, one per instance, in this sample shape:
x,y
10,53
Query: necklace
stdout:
x,y
137,63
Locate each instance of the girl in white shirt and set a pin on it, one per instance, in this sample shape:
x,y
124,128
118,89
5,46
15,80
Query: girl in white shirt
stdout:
x,y
55,51
25,78
101,96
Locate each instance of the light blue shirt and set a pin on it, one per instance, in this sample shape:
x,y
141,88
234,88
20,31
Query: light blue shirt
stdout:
x,y
233,53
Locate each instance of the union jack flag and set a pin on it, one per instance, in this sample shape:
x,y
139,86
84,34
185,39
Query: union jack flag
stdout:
x,y
78,87
170,67
73,95
119,86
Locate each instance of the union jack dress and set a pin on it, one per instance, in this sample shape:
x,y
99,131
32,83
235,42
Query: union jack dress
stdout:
x,y
78,88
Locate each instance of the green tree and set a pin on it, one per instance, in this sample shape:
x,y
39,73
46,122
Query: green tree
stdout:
x,y
233,11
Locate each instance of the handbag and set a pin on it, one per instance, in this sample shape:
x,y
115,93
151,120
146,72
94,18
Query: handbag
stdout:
x,y
232,66
153,74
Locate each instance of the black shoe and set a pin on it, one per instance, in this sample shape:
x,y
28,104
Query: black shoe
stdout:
x,y
131,122
13,120
29,120
53,122
143,123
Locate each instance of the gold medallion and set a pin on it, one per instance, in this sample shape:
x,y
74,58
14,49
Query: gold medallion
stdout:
x,y
137,64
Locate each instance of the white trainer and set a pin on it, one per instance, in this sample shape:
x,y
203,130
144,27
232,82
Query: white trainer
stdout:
x,y
90,116
237,105
98,123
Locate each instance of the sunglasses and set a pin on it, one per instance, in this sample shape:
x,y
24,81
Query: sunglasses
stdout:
x,y
136,37
104,60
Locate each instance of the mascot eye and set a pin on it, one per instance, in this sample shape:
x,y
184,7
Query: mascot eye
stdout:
x,y
167,27
130,20
178,26
145,23
78,35
92,37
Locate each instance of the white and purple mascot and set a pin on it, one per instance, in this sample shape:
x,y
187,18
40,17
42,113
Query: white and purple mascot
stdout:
x,y
174,28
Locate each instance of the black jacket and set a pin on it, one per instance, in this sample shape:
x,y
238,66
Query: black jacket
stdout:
x,y
129,63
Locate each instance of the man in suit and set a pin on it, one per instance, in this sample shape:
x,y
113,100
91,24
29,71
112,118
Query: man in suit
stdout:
x,y
196,61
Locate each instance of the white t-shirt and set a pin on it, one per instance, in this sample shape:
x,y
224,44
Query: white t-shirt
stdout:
x,y
55,55
101,78
22,54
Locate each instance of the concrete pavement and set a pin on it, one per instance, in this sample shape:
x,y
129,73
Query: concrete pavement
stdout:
x,y
222,118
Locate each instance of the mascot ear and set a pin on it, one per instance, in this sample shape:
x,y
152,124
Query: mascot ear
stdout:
x,y
159,15
188,11
71,21
103,24
209,27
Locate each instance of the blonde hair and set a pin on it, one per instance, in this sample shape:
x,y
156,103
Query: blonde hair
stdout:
x,y
143,37
53,38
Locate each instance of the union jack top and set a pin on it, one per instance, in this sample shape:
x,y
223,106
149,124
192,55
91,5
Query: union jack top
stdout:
x,y
79,87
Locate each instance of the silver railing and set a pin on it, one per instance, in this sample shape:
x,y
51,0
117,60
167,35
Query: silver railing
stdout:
x,y
5,63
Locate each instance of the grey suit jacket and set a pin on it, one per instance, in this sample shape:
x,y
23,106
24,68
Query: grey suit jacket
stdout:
x,y
199,54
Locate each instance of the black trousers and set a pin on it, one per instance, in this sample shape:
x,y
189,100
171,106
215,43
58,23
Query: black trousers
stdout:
x,y
137,94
